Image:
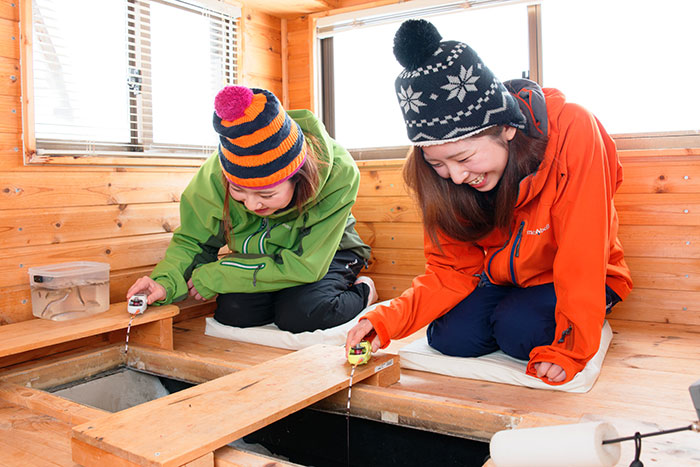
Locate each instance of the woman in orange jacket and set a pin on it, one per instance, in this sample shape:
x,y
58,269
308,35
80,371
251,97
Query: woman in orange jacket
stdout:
x,y
516,190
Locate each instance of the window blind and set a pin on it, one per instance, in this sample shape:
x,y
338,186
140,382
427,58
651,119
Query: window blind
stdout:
x,y
129,77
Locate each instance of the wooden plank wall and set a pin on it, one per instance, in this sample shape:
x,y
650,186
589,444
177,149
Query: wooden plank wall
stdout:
x,y
122,216
299,63
659,210
261,64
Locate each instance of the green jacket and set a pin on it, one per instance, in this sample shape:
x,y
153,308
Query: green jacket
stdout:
x,y
271,253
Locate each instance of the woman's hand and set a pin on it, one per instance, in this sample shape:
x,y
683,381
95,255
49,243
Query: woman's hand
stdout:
x,y
551,371
363,329
153,289
193,291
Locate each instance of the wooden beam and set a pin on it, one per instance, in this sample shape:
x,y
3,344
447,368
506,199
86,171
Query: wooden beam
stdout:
x,y
207,460
230,457
85,454
156,334
179,365
62,368
38,333
193,422
48,404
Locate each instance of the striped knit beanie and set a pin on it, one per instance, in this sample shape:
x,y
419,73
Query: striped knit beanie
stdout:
x,y
260,146
445,91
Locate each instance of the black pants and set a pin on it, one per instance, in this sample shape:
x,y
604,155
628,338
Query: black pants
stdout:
x,y
330,302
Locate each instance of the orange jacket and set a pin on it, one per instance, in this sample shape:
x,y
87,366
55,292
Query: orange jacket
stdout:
x,y
564,231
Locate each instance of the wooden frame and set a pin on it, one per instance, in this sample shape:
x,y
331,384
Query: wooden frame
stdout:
x,y
13,390
278,387
220,411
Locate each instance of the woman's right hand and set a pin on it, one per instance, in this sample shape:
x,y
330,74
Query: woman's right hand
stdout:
x,y
359,332
147,285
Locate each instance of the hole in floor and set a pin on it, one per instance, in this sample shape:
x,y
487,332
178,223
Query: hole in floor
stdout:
x,y
307,437
311,437
118,388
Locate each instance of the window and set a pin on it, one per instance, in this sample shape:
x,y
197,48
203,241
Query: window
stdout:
x,y
628,61
366,110
126,81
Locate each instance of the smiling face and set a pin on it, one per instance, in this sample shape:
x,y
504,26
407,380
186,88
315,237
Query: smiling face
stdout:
x,y
478,161
264,202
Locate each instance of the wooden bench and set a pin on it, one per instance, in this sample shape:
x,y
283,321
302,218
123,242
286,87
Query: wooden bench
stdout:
x,y
151,328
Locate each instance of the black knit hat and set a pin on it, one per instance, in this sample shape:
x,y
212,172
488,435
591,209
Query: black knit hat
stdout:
x,y
446,92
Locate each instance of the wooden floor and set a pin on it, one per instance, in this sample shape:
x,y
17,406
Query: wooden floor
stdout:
x,y
643,387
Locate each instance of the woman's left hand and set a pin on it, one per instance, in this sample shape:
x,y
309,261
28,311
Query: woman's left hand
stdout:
x,y
551,371
193,291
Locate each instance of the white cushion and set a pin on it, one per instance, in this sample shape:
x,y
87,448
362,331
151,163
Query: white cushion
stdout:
x,y
273,336
499,367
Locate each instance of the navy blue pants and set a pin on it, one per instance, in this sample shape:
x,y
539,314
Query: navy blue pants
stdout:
x,y
492,317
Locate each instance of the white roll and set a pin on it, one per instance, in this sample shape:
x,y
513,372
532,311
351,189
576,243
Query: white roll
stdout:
x,y
579,445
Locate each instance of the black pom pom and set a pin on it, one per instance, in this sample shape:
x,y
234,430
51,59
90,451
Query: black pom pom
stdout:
x,y
414,42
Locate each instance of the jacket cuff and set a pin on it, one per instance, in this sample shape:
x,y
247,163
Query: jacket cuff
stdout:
x,y
380,329
203,290
169,287
544,354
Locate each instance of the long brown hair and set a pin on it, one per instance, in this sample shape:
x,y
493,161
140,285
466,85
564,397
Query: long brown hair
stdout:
x,y
461,212
306,182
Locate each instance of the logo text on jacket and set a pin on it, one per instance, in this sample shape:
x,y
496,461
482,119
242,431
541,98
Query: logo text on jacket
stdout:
x,y
538,231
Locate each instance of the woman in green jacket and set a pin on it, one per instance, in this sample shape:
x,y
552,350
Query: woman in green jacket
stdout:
x,y
278,192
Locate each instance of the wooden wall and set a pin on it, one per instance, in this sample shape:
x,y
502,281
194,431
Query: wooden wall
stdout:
x,y
299,38
260,51
121,216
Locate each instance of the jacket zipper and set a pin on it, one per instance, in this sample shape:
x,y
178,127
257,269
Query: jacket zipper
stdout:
x,y
266,234
263,224
570,341
488,267
515,252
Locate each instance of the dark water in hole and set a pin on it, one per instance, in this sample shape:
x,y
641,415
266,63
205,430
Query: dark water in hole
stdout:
x,y
310,437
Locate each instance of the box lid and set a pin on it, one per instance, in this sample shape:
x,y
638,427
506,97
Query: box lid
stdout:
x,y
41,274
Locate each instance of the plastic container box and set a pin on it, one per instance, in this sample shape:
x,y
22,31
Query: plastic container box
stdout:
x,y
69,290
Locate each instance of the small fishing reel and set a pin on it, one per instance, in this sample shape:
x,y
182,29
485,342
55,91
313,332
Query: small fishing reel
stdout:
x,y
360,353
137,304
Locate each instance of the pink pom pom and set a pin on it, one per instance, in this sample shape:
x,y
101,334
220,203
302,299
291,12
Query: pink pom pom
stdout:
x,y
232,102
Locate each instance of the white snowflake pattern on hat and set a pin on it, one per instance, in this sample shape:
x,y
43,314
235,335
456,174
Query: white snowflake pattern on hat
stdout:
x,y
408,100
460,85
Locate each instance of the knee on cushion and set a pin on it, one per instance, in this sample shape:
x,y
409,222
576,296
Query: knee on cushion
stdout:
x,y
517,334
300,317
458,341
